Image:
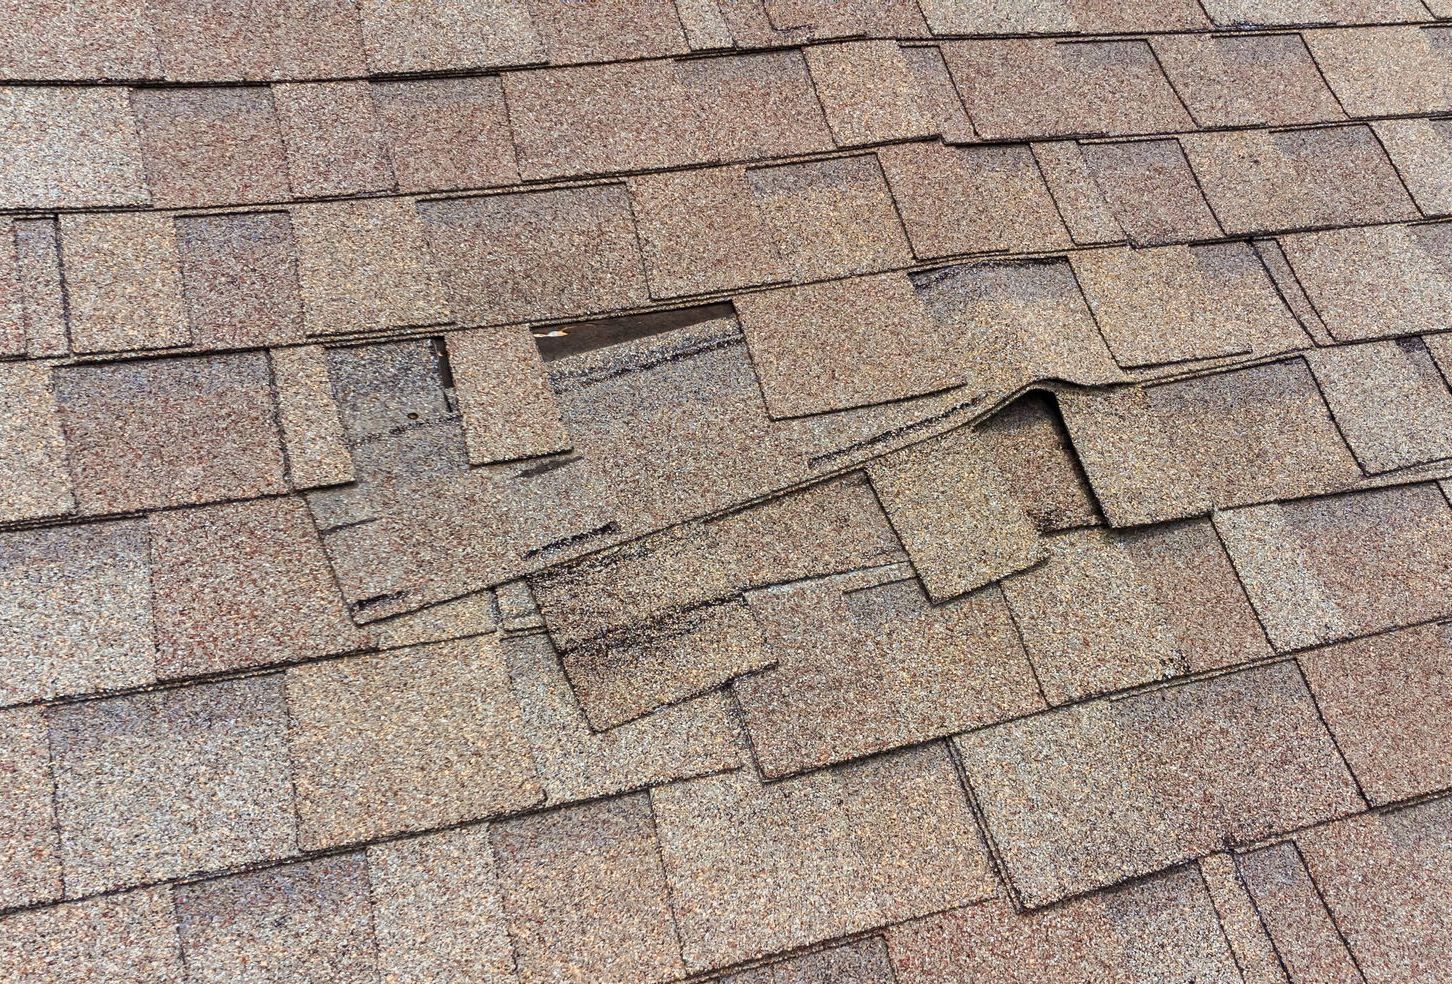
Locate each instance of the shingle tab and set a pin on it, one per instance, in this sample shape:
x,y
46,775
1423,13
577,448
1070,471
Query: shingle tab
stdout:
x,y
34,480
333,138
1253,80
39,276
115,939
444,35
1151,191
509,410
1390,401
260,40
1422,153
239,276
620,30
756,105
317,451
107,39
30,866
123,282
869,92
69,147
446,133
1387,71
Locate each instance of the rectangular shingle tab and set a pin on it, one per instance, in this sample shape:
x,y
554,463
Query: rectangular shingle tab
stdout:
x,y
1151,191
312,428
446,133
34,480
114,939
869,92
1422,153
443,35
509,409
239,277
1387,71
30,866
756,105
123,282
211,146
333,138
69,147
260,40
1252,80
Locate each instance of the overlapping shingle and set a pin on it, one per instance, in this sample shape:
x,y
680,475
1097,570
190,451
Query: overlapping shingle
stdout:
x,y
1390,401
756,105
869,92
108,39
34,480
1422,153
263,40
1412,70
1150,190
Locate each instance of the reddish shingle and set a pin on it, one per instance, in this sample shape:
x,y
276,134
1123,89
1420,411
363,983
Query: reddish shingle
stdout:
x,y
239,275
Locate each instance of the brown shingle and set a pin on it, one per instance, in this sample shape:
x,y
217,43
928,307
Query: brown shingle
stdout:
x,y
1254,951
1387,71
446,133
1325,569
407,740
38,274
756,105
123,282
869,92
937,95
56,40
211,146
999,17
848,18
115,939
444,35
34,481
334,141
1254,80
1259,13
1123,788
1294,915
12,295
574,32
171,432
586,895
69,147
75,612
259,40
1081,202
153,786
1029,444
509,410
1390,401
239,275
862,962
317,451
30,867
705,26
1151,192
1422,153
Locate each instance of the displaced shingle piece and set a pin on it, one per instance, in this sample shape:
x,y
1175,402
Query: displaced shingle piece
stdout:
x,y
123,282
317,450
875,669
999,16
75,612
1386,71
534,255
1018,89
1383,698
937,95
115,939
586,896
1325,569
1309,944
1161,929
602,119
972,199
244,584
832,217
1389,400
437,912
207,784
1254,951
406,740
1081,203
1029,444
1379,282
34,480
844,343
308,921
701,231
869,92
509,410
364,266
1422,153
615,31
952,510
171,432
69,147
334,143
1123,788
239,275
1385,879
30,867
446,133
1151,191
756,105
105,39
259,40
211,146
42,294
446,35
1158,306
1254,80
1259,180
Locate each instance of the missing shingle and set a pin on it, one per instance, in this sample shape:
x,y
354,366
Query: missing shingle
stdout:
x,y
563,341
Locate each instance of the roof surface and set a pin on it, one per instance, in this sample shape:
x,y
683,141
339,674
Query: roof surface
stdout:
x,y
770,491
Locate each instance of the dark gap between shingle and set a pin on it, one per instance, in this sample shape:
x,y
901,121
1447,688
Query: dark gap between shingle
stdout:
x,y
563,341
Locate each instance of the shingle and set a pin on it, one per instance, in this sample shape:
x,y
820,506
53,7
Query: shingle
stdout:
x,y
999,17
586,895
1422,153
830,218
317,451
444,35
239,276
458,618
123,282
30,866
972,199
1249,941
844,343
1178,303
171,432
308,921
1091,795
1016,89
1151,191
1029,444
705,26
364,265
1112,610
1385,879
446,133
509,409
1250,13
1376,283
601,119
861,962
1259,180
835,18
1253,80
42,294
937,95
153,786
438,916
211,146
115,939
869,92
1309,945
1386,71
34,480
1161,929
701,232
260,40
864,669
69,147
1390,401
1180,449
334,140
756,105
12,295
1112,17
75,611
534,255
1081,202
107,39
1325,569
574,32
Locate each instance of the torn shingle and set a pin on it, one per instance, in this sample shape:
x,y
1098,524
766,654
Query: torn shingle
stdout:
x,y
1148,187
333,138
30,867
123,282
445,35
1029,444
1386,71
239,276
317,450
34,480
1123,788
509,410
1294,915
446,133
69,147
206,782
1081,202
1422,153
1333,568
76,611
260,40
1253,80
869,92
407,740
114,939
617,31
756,105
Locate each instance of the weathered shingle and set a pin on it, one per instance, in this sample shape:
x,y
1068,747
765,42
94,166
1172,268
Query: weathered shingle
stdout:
x,y
1151,192
756,105
869,92
34,480
239,277
262,40
1422,153
1387,71
625,29
107,39
333,138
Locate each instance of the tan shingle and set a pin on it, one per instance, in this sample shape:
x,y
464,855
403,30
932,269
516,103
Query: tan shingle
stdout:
x,y
705,26
869,92
1151,191
446,133
861,962
509,410
56,40
1387,71
1081,202
123,282
848,18
12,294
937,95
239,275
1244,13
317,452
69,147
1422,153
616,31
1254,80
259,40
30,866
34,480
756,105
999,17
1309,944
1254,951
440,35
115,939
1029,444
334,141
